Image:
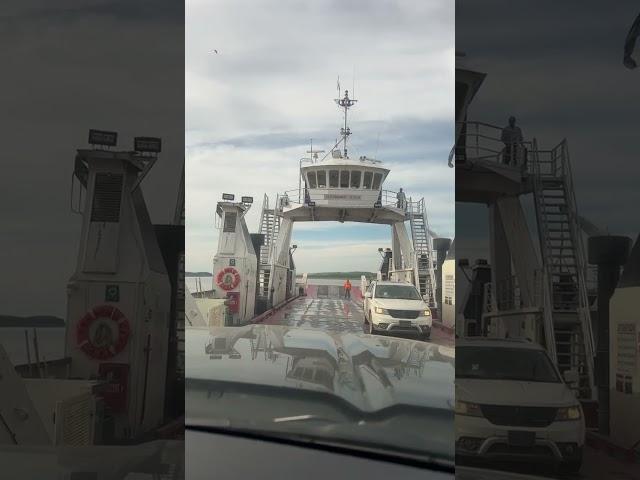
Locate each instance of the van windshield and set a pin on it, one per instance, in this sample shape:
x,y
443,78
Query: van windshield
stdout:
x,y
503,363
400,292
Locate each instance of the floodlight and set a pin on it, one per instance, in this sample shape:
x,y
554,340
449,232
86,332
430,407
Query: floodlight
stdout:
x,y
103,137
147,144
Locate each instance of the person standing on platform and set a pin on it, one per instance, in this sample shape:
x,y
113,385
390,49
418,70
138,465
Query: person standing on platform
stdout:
x,y
402,200
347,289
512,139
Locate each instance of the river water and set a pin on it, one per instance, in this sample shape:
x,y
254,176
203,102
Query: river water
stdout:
x,y
50,343
206,283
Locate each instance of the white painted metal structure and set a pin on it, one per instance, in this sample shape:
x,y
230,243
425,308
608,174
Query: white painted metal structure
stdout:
x,y
333,188
541,295
120,265
338,188
235,262
20,422
624,364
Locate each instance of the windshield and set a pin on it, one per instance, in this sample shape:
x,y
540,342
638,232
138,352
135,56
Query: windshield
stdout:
x,y
360,391
400,292
503,363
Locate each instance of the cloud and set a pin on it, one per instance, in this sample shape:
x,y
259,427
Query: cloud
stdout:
x,y
253,108
566,83
109,64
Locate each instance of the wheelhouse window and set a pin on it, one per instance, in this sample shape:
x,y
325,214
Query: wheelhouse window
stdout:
x,y
333,178
311,176
344,178
377,179
366,183
322,179
355,178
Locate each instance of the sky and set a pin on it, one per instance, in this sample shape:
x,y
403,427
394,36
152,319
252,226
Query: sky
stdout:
x,y
105,64
557,67
252,109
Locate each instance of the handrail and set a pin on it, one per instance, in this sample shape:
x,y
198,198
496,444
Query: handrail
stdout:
x,y
581,263
484,143
387,198
549,331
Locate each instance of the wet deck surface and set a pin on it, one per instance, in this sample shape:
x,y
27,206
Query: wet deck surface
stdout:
x,y
324,309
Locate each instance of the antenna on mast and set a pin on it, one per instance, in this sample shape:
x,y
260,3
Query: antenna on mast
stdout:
x,y
345,103
314,153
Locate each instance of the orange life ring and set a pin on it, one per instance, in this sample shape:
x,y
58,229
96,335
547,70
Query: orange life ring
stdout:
x,y
99,342
228,278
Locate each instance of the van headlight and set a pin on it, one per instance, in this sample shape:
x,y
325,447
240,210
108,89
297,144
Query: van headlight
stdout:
x,y
573,412
382,311
426,313
467,408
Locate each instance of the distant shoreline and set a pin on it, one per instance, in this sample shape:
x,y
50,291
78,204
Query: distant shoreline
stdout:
x,y
341,275
328,275
31,322
197,274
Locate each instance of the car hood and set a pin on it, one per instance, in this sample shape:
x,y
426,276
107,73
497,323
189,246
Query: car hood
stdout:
x,y
369,372
396,304
511,392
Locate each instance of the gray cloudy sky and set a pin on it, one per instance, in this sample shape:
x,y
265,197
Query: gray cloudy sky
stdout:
x,y
251,110
557,66
68,66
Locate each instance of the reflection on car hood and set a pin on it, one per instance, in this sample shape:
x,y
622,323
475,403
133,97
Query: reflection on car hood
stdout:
x,y
512,392
370,372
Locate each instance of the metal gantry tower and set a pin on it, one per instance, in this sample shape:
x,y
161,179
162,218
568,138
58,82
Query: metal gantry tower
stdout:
x,y
346,103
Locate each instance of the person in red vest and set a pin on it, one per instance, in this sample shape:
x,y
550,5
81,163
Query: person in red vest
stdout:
x,y
347,289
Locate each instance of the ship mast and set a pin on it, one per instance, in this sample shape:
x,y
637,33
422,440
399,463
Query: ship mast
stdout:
x,y
345,103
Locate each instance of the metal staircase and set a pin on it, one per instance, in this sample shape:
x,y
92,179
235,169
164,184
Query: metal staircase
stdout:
x,y
269,227
423,249
567,313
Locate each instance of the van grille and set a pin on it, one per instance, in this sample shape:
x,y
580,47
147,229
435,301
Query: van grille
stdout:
x,y
519,416
410,314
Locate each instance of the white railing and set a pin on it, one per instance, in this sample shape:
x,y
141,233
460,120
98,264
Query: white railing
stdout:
x,y
483,142
549,329
555,163
585,311
507,295
386,198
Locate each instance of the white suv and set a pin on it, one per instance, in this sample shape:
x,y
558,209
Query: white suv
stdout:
x,y
396,308
513,405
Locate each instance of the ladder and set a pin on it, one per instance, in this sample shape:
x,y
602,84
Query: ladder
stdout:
x,y
568,324
269,227
423,251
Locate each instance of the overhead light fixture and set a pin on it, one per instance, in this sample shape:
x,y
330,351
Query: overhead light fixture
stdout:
x,y
247,199
103,137
147,144
228,196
